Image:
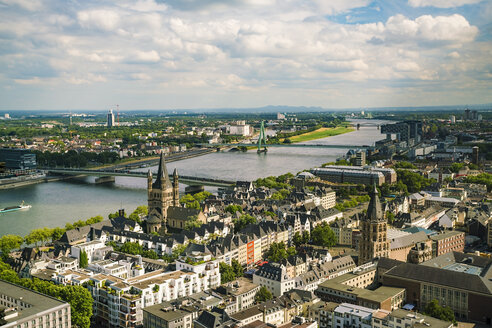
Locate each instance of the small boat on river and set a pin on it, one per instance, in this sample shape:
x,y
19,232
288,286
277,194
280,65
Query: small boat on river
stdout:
x,y
21,207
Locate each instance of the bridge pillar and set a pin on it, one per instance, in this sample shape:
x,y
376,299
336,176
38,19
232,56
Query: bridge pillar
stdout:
x,y
194,189
106,179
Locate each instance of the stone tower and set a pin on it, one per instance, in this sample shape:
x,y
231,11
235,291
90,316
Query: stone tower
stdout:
x,y
175,188
160,197
374,241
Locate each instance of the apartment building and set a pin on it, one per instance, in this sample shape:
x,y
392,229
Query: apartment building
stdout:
x,y
238,294
29,309
274,277
119,302
447,241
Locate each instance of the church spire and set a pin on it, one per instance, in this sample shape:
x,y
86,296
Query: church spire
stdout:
x,y
162,180
374,211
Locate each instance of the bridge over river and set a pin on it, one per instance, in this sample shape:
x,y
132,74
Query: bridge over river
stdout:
x,y
185,179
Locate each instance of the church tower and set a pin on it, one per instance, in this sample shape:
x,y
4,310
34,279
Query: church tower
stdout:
x,y
374,240
175,188
160,197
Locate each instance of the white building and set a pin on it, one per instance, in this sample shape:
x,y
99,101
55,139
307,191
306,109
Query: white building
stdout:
x,y
92,249
274,277
119,302
351,316
241,128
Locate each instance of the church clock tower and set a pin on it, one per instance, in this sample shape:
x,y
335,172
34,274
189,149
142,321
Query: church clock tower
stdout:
x,y
160,197
374,240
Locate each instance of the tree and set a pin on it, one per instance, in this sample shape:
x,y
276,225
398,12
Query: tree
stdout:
x,y
84,259
439,312
226,272
276,252
37,236
263,294
8,243
150,254
139,213
192,222
243,221
94,219
414,181
57,233
233,209
131,248
237,268
201,196
297,239
80,301
291,251
305,237
113,215
322,235
390,216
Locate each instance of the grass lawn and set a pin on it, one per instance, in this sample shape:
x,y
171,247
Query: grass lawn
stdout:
x,y
321,133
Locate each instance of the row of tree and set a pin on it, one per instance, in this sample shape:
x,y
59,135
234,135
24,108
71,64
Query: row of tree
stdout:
x,y
74,159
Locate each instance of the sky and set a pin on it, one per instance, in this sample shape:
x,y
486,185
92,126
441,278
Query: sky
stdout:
x,y
191,54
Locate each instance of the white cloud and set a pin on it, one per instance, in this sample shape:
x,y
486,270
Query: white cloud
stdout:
x,y
454,28
441,3
407,67
30,5
454,55
146,57
260,51
332,7
104,19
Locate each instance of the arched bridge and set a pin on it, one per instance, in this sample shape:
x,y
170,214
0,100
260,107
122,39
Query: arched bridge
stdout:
x,y
185,179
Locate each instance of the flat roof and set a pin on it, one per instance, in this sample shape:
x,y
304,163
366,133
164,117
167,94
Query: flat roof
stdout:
x,y
167,313
38,302
352,308
465,268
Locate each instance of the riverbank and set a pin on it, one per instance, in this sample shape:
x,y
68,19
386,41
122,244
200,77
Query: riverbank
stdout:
x,y
321,133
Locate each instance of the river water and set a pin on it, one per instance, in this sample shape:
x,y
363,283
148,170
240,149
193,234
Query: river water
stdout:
x,y
56,203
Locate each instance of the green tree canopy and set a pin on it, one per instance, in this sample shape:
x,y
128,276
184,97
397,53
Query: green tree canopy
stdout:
x,y
131,248
297,239
192,223
238,268
84,259
263,295
233,209
227,273
139,213
437,311
322,235
8,243
243,221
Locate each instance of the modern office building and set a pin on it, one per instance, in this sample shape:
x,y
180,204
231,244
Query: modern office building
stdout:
x,y
110,119
404,131
18,159
29,309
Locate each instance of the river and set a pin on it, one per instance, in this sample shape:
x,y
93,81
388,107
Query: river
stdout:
x,y
56,203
